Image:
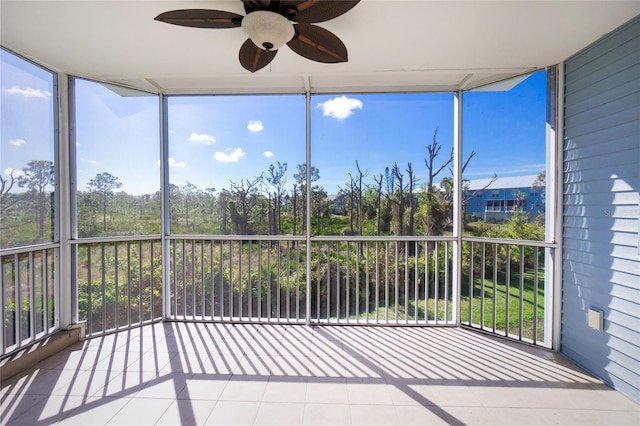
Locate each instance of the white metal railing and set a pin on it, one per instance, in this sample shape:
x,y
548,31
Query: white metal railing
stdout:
x,y
353,280
506,288
232,278
118,282
29,288
382,280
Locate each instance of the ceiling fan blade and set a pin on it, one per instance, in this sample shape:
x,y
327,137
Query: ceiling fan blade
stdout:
x,y
201,18
318,44
311,11
252,58
253,5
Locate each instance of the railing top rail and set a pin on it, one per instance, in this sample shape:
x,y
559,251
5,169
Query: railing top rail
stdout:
x,y
530,243
353,238
374,238
237,237
27,249
115,239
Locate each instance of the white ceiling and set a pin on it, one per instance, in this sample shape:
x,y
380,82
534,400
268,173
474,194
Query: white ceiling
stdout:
x,y
395,45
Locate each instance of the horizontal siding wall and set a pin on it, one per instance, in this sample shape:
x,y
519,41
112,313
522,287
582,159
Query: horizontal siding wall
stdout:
x,y
601,257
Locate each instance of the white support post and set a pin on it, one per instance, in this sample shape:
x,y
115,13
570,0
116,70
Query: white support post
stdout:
x,y
553,212
457,206
66,293
308,215
164,205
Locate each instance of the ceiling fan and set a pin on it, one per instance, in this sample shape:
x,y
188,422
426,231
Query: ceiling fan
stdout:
x,y
270,24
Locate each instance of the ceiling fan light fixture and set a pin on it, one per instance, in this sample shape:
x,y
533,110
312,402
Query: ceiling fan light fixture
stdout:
x,y
268,30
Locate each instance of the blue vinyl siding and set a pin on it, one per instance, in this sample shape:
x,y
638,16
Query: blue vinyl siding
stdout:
x,y
601,208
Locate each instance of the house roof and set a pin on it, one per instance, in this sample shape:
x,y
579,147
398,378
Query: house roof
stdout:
x,y
400,45
510,182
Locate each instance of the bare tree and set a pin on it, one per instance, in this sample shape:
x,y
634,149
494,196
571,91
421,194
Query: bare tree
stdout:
x,y
242,206
361,176
5,187
412,202
399,201
378,179
277,179
433,150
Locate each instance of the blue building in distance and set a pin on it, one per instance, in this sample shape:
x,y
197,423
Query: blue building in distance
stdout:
x,y
495,201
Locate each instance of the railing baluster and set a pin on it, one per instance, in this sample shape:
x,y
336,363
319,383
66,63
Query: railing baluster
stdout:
x,y
221,268
2,302
140,257
416,286
386,282
193,280
357,295
471,254
116,289
278,283
152,284
535,296
495,284
406,282
297,244
269,283
175,278
32,298
328,282
203,292
45,295
366,303
231,305
249,283
318,283
338,287
436,283
426,282
89,292
240,249
521,291
259,279
377,307
482,289
396,276
446,282
288,282
212,244
507,291
104,290
348,283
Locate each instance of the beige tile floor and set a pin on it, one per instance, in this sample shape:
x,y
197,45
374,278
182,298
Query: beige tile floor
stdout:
x,y
217,374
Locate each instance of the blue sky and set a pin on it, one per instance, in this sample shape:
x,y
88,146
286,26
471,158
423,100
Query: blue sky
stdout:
x,y
217,139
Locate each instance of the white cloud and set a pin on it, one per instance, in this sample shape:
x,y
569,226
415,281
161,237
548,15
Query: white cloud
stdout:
x,y
340,107
16,173
202,137
255,126
17,142
229,156
268,154
28,92
88,161
174,163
